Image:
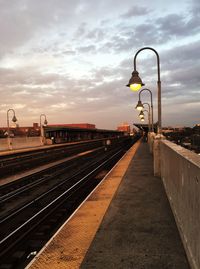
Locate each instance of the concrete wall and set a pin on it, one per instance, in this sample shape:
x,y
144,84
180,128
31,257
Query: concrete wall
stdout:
x,y
180,172
20,142
3,144
151,138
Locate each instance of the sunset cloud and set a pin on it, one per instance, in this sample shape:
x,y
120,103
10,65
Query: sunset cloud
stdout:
x,y
72,59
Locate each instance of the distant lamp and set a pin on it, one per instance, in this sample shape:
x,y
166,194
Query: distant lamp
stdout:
x,y
139,105
42,137
14,119
135,83
141,115
15,124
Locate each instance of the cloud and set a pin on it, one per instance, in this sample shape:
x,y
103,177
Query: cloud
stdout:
x,y
71,58
175,25
23,20
135,11
153,30
84,49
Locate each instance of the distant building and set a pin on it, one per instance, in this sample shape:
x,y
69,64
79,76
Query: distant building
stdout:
x,y
21,131
196,129
78,125
124,127
36,125
168,129
185,136
35,129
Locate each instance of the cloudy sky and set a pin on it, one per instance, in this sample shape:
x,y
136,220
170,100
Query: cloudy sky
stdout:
x,y
71,60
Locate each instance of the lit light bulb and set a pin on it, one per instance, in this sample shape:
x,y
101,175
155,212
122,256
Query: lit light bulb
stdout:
x,y
135,87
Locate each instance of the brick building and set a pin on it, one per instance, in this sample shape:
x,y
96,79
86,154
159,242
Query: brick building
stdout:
x,y
124,127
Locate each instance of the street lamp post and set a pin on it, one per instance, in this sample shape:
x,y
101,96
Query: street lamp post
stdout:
x,y
139,105
141,115
135,83
41,127
14,119
149,117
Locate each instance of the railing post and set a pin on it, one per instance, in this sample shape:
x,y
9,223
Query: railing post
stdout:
x,y
157,154
151,137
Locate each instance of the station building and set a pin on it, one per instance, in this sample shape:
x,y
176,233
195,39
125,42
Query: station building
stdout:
x,y
61,133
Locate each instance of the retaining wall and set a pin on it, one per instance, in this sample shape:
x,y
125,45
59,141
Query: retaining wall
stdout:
x,y
180,172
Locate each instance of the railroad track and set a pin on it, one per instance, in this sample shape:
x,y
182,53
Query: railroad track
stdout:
x,y
18,162
23,183
35,222
31,187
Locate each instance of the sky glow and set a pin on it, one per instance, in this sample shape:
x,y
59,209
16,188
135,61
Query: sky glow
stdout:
x,y
72,59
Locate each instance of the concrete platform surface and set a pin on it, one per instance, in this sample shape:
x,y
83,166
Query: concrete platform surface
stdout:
x,y
138,230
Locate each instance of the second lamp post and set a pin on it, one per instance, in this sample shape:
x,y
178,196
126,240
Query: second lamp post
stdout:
x,y
140,106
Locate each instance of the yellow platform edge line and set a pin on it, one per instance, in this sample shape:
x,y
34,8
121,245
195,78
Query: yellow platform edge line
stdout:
x,y
67,248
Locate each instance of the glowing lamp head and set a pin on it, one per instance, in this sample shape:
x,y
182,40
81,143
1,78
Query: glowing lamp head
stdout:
x,y
141,115
45,122
142,119
135,83
139,106
135,87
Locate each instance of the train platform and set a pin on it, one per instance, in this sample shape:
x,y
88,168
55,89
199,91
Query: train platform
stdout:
x,y
125,223
38,148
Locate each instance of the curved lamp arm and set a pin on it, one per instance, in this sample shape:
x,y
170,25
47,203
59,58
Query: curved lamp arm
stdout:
x,y
148,112
45,119
151,96
148,106
14,119
158,59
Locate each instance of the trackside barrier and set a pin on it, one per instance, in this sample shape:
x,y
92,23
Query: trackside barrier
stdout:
x,y
19,143
180,173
